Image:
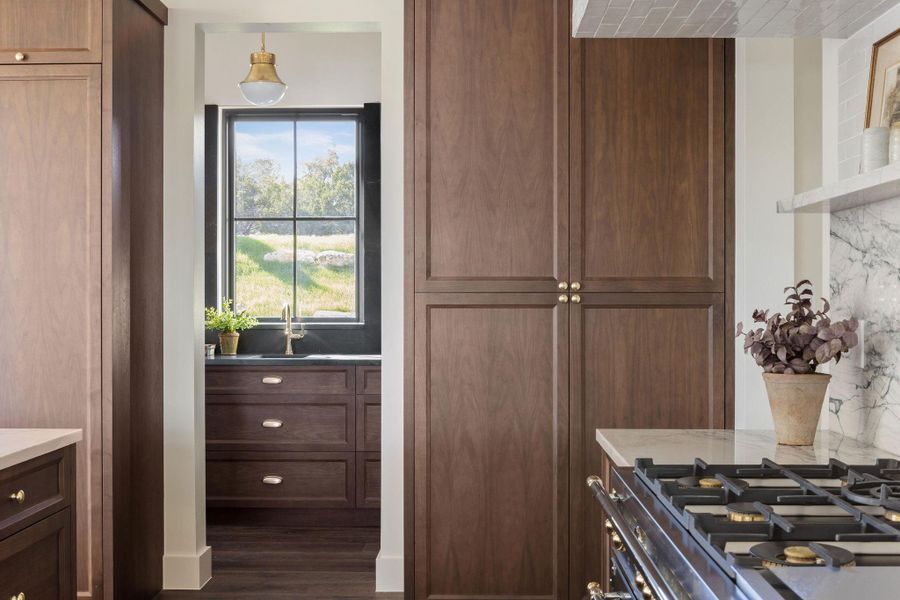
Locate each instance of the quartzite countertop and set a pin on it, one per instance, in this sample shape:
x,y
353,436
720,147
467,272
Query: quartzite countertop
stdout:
x,y
298,360
720,446
20,445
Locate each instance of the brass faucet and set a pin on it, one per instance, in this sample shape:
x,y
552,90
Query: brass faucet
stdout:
x,y
289,335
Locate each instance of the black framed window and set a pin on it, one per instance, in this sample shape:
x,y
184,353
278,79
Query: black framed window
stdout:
x,y
301,228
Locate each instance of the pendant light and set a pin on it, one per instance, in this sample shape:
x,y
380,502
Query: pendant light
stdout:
x,y
262,86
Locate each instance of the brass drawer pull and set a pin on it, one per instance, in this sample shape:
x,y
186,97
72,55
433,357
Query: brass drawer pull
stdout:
x,y
272,423
271,380
272,479
18,497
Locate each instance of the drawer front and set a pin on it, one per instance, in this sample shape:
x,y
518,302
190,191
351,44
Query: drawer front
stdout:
x,y
368,479
281,480
280,380
37,561
35,489
368,423
368,380
320,423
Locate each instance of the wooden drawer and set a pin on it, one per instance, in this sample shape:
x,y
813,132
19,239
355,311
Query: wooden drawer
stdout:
x,y
61,31
368,423
46,484
37,561
280,380
307,479
368,479
368,380
281,422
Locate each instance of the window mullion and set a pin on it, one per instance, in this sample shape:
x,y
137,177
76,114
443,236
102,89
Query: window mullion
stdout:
x,y
294,270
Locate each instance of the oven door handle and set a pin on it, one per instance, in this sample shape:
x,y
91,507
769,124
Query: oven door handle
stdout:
x,y
651,574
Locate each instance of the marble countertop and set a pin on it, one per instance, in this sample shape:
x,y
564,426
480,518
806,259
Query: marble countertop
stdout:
x,y
719,446
20,445
271,360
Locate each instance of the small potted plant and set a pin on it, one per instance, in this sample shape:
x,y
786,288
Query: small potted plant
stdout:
x,y
228,324
789,348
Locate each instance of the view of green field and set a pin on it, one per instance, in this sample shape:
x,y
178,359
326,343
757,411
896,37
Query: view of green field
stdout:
x,y
263,286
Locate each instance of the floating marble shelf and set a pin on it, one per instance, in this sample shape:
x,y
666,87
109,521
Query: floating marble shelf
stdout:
x,y
874,186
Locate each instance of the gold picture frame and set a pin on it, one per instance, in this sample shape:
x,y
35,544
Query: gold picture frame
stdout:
x,y
884,82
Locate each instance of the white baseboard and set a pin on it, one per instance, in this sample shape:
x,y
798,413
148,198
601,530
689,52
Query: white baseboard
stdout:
x,y
187,571
388,573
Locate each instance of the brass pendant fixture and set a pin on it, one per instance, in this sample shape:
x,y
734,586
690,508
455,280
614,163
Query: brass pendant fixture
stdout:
x,y
262,85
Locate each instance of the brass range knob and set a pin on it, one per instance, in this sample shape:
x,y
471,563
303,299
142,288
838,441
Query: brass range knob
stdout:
x,y
20,56
639,578
616,541
576,299
647,592
576,286
563,299
563,286
18,497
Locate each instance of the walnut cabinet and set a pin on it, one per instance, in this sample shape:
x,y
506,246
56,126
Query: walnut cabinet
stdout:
x,y
569,268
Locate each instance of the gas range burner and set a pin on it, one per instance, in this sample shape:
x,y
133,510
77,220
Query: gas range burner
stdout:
x,y
709,483
745,512
876,492
802,554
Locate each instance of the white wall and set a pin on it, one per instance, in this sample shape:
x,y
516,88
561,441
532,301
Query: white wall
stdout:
x,y
320,69
764,172
186,562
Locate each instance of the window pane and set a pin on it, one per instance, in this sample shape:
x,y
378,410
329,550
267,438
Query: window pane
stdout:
x,y
263,266
263,169
326,269
326,168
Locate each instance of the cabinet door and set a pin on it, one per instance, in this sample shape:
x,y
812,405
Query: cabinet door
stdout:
x,y
645,361
491,145
648,165
491,439
50,266
50,31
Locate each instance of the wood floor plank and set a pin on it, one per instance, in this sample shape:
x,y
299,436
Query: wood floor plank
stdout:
x,y
252,563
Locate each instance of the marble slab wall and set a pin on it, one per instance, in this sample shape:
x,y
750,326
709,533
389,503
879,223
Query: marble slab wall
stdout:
x,y
865,283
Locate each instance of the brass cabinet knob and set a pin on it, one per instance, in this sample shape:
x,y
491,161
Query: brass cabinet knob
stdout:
x,y
272,479
18,497
576,286
563,299
563,286
272,423
576,299
20,56
19,596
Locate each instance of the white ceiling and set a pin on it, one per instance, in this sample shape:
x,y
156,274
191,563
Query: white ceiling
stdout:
x,y
725,18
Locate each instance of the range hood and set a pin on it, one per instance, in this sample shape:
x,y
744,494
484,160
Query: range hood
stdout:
x,y
724,18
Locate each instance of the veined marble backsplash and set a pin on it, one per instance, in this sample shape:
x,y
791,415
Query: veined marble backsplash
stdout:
x,y
865,283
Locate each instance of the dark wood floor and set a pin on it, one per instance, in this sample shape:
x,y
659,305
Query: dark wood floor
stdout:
x,y
276,562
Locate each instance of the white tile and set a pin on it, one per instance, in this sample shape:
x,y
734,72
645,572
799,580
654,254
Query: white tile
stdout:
x,y
738,18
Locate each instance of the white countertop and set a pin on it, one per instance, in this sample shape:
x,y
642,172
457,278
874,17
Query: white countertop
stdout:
x,y
719,446
20,445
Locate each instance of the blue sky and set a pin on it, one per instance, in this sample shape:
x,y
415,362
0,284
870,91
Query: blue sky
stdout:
x,y
275,139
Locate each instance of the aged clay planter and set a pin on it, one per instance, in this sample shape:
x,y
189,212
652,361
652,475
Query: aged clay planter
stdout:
x,y
229,343
796,403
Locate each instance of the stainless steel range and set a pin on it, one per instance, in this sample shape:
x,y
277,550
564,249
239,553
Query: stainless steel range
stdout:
x,y
755,532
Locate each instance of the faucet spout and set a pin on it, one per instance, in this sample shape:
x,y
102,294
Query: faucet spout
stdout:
x,y
289,335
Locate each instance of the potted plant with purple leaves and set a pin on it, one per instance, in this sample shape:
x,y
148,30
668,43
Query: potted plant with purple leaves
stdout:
x,y
229,324
790,348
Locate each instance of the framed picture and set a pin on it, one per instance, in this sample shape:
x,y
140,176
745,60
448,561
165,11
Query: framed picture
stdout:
x,y
884,82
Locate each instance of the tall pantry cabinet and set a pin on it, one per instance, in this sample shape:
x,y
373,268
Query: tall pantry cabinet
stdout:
x,y
569,269
81,84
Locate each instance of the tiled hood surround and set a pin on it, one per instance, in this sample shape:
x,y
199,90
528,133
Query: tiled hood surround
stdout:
x,y
865,270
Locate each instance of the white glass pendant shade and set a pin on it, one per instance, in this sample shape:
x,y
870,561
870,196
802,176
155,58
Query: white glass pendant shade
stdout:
x,y
262,85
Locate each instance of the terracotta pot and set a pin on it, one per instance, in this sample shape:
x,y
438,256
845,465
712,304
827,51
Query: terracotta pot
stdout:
x,y
229,343
796,403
